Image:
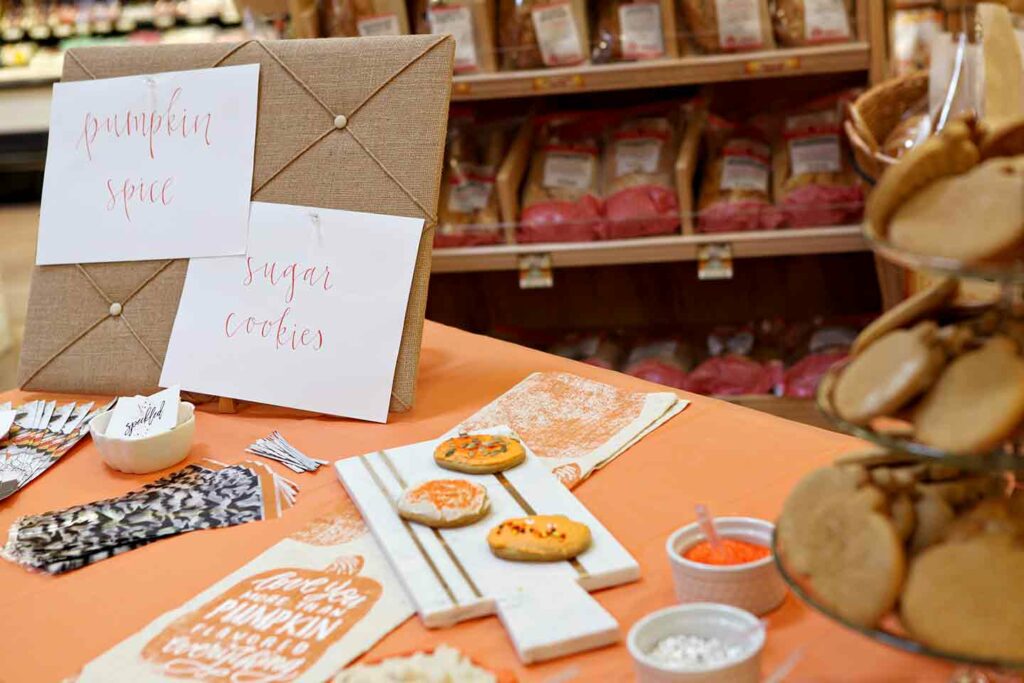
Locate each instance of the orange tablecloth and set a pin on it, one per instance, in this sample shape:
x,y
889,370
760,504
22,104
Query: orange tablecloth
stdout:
x,y
736,460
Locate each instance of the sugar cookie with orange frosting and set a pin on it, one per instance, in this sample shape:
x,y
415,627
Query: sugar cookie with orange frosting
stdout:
x,y
444,503
479,453
539,538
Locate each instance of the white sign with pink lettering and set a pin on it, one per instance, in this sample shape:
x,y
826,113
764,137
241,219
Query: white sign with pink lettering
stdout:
x,y
310,318
149,167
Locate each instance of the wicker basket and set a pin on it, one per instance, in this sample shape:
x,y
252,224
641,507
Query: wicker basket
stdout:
x,y
875,114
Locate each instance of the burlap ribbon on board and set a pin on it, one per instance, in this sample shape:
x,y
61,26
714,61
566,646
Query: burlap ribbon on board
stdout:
x,y
355,124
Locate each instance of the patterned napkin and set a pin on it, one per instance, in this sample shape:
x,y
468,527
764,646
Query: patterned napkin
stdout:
x,y
206,495
41,435
577,424
299,612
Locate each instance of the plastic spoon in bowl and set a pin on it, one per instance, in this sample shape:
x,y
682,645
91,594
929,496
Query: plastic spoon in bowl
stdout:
x,y
786,668
707,527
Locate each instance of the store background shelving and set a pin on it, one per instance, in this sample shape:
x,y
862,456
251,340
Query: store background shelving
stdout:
x,y
661,262
792,242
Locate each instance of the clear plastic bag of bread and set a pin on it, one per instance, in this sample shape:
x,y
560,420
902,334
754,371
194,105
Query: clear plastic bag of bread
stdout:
x,y
714,26
660,360
561,199
639,171
914,127
812,22
468,213
911,31
600,349
736,189
469,22
627,30
816,182
342,18
539,33
729,369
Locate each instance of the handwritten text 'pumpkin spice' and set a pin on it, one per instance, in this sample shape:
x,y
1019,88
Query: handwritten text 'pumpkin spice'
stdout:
x,y
148,129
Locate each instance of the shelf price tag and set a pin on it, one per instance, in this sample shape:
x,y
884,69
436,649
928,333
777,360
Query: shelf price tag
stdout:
x,y
571,81
714,261
535,271
771,66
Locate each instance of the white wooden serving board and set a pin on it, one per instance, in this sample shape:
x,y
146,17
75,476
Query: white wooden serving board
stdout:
x,y
451,574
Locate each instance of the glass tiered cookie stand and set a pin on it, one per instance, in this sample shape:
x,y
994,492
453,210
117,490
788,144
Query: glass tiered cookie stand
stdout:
x,y
1004,308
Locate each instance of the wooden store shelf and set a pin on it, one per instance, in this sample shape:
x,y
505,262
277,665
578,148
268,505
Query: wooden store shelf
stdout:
x,y
803,410
830,240
664,72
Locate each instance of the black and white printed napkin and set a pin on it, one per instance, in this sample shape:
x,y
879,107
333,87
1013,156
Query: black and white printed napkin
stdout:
x,y
204,495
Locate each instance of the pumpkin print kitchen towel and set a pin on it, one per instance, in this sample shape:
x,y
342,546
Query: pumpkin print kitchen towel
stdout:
x,y
576,424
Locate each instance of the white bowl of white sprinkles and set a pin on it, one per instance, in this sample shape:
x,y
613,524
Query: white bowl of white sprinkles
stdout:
x,y
697,642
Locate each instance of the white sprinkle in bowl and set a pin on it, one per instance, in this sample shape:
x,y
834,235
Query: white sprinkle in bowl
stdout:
x,y
709,620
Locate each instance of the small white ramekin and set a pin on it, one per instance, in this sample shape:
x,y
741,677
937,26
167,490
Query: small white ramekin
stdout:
x,y
148,454
724,622
756,586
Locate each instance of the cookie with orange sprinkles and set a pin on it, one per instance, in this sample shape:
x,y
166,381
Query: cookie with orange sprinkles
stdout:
x,y
539,538
444,503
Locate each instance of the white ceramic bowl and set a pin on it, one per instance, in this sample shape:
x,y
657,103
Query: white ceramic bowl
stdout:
x,y
151,453
756,586
728,624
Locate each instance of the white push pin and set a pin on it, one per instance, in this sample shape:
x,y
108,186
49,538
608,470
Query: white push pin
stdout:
x,y
115,309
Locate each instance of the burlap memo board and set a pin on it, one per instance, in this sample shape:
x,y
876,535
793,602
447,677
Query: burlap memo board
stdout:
x,y
347,123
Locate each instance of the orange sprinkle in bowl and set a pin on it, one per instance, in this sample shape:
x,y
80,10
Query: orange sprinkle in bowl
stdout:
x,y
730,553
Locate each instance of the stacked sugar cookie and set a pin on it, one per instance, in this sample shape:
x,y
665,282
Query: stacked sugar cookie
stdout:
x,y
938,540
956,196
448,503
878,532
953,373
952,377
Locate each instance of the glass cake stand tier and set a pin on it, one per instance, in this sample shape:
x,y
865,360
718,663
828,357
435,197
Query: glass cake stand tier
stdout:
x,y
1010,271
896,435
889,632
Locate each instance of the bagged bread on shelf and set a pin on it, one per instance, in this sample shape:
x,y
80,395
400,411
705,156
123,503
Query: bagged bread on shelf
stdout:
x,y
470,22
340,18
662,361
812,22
913,129
606,353
468,213
735,192
628,30
305,19
728,25
733,375
729,370
828,345
562,195
639,178
816,182
911,31
537,33
599,349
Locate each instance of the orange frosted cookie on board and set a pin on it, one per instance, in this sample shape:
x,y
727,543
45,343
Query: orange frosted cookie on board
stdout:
x,y
444,503
479,453
539,538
